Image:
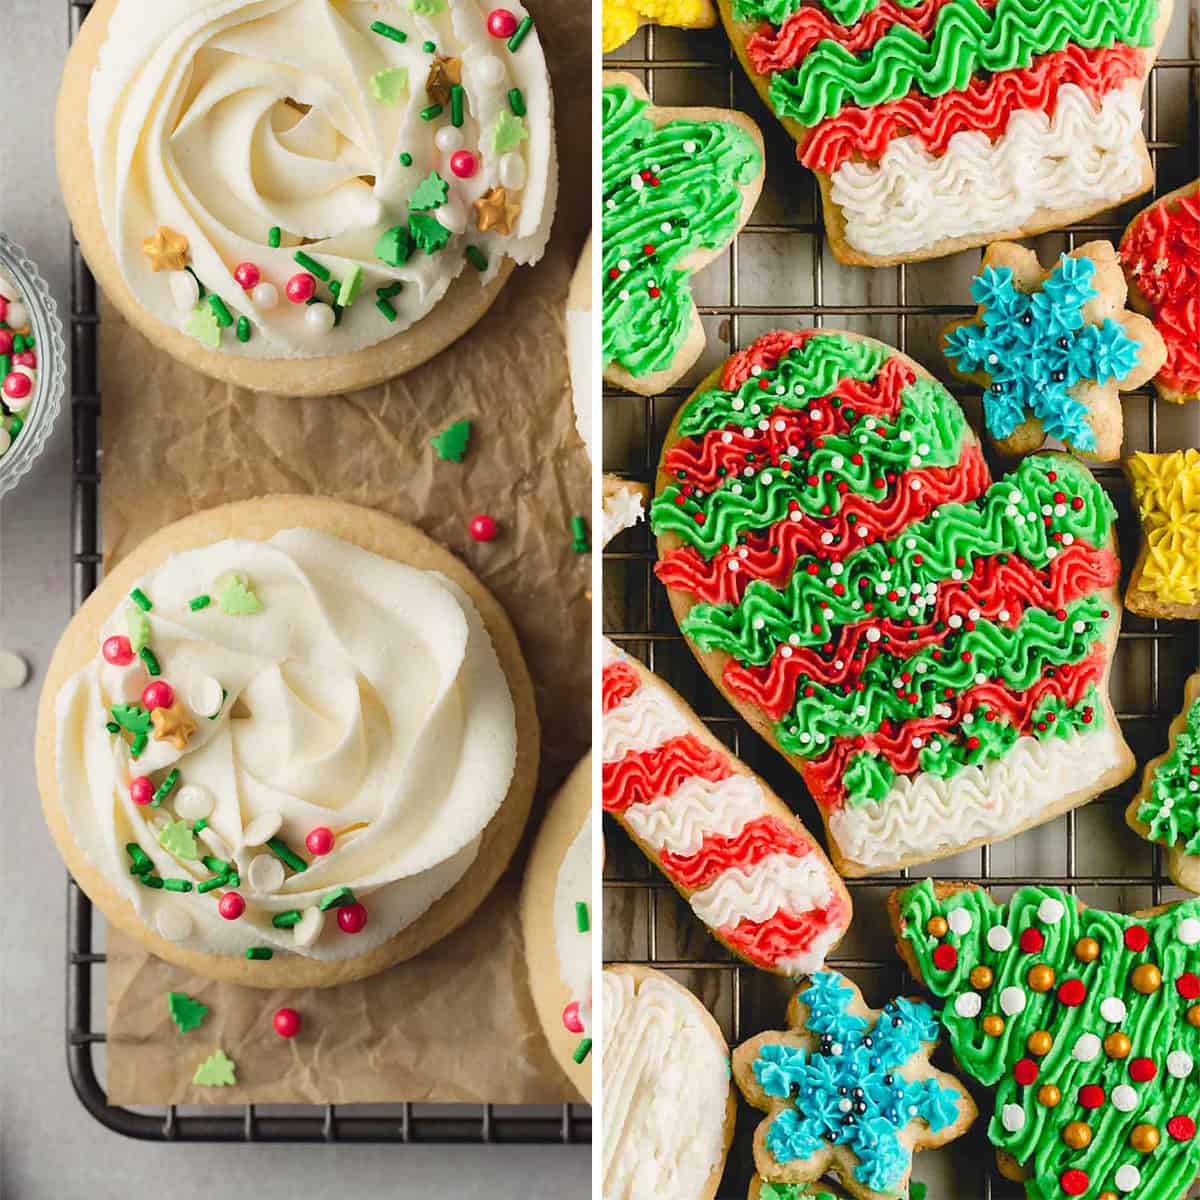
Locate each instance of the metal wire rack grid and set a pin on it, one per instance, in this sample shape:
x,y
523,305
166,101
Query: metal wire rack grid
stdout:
x,y
636,618
401,1123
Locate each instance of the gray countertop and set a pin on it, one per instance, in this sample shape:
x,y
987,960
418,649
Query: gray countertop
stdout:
x,y
50,1148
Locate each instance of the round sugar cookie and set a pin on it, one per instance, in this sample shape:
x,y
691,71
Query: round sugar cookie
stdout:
x,y
579,344
558,932
669,1107
257,521
295,130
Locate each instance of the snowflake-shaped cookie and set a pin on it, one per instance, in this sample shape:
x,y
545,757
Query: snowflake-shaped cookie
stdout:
x,y
849,1089
1052,349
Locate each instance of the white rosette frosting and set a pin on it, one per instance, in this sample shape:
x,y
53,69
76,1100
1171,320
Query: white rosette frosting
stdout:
x,y
365,697
220,119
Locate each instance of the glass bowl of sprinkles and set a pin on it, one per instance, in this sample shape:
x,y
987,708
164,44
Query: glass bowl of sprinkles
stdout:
x,y
32,363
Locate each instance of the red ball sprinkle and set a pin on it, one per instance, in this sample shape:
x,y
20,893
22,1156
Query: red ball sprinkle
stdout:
x,y
1072,992
1188,985
1031,940
286,1022
319,840
27,358
464,164
1091,1095
945,957
1142,1070
231,906
158,694
6,341
570,1018
301,288
352,918
1181,1128
17,386
117,650
141,790
1137,938
501,23
247,275
1074,1182
1025,1071
483,528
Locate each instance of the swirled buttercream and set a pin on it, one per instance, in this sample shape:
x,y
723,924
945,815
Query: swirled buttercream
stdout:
x,y
391,145
666,1087
325,687
572,943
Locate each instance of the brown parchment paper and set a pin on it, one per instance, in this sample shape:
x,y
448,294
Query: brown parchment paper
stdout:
x,y
458,1022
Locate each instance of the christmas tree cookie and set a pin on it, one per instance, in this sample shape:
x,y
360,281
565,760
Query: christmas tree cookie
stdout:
x,y
740,857
623,18
1053,348
1166,495
1085,1023
936,125
929,649
850,1090
678,185
1161,256
761,1189
1166,809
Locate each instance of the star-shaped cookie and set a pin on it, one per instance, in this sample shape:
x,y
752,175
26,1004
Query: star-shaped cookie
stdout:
x,y
850,1090
1053,348
623,18
167,250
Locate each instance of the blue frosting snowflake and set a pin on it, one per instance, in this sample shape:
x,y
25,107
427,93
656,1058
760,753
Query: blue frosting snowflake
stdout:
x,y
1034,347
848,1093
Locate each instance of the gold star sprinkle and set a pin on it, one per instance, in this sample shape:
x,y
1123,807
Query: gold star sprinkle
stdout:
x,y
494,210
173,725
166,250
443,74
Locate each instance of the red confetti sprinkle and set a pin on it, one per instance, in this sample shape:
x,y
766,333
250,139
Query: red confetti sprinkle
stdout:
x,y
1074,1182
1142,1070
945,957
1188,985
1091,1095
1181,1128
1072,992
1137,938
1025,1071
1032,940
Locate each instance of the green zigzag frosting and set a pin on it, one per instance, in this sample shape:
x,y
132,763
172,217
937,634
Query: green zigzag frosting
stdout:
x,y
767,616
967,40
807,372
928,413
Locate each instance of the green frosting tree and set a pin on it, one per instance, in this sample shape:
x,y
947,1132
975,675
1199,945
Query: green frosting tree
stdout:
x,y
1171,807
1085,1023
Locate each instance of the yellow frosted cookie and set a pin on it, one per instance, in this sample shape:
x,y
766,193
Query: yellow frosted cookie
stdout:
x,y
1166,494
623,18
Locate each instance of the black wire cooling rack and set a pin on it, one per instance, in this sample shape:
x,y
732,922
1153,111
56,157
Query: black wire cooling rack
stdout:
x,y
781,255
562,1124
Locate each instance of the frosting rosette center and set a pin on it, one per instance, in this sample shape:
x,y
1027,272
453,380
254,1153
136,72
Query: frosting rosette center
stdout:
x,y
245,142
249,693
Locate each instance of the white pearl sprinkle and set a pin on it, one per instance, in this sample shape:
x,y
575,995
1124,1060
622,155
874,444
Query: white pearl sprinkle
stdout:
x,y
1012,1001
193,802
1012,1117
448,139
319,318
185,291
999,939
490,70
265,874
265,296
968,1005
1113,1010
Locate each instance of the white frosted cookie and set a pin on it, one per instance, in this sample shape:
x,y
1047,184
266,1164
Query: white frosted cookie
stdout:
x,y
307,196
556,918
579,344
669,1108
288,742
624,505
